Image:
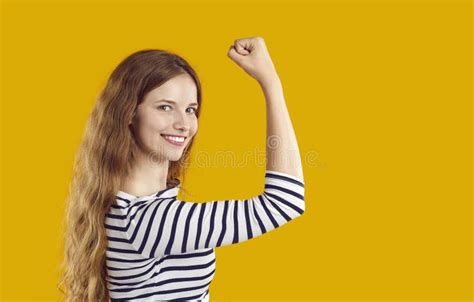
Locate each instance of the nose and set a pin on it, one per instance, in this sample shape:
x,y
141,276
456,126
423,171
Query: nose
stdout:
x,y
181,122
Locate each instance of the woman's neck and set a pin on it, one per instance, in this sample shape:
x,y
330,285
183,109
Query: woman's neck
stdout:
x,y
146,178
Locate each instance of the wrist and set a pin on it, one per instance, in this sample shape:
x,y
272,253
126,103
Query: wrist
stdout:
x,y
270,83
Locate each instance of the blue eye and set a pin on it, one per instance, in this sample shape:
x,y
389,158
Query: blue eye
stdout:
x,y
194,109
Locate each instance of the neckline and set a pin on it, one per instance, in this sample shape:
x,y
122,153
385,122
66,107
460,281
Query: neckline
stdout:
x,y
165,193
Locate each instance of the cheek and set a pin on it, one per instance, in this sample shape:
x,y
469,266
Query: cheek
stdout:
x,y
158,123
150,131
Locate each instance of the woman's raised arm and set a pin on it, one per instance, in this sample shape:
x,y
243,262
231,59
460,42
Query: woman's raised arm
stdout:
x,y
281,147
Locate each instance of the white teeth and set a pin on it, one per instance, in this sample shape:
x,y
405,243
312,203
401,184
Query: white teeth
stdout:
x,y
175,138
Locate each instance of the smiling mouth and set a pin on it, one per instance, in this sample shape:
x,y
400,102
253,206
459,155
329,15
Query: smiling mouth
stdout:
x,y
175,140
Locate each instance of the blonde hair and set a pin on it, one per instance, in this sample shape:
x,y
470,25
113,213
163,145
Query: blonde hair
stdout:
x,y
106,153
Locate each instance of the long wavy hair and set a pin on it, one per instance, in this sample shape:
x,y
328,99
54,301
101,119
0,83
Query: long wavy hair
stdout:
x,y
105,155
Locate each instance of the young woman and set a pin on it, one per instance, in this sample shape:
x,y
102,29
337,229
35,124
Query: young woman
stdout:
x,y
128,237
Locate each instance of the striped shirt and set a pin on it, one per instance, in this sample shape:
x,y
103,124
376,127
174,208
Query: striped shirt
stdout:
x,y
161,248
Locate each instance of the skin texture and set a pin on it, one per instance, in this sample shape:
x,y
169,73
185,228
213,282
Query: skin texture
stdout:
x,y
153,118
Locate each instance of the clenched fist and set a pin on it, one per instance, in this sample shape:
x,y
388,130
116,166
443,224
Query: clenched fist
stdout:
x,y
252,55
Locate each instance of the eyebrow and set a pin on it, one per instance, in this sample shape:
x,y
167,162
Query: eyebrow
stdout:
x,y
173,102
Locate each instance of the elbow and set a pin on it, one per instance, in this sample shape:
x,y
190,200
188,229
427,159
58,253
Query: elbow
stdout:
x,y
303,208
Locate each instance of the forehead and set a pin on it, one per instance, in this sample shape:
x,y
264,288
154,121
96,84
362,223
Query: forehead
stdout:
x,y
180,89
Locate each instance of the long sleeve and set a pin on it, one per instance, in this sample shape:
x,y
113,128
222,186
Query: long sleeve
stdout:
x,y
175,226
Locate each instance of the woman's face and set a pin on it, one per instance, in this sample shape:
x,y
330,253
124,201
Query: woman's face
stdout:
x,y
166,116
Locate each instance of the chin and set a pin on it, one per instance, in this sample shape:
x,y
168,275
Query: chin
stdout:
x,y
174,157
167,152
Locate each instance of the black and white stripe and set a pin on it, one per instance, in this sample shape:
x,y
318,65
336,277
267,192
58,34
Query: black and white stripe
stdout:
x,y
162,248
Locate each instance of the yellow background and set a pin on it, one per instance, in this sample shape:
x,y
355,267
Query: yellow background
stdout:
x,y
380,91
